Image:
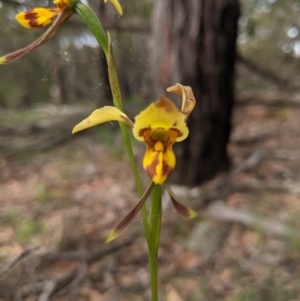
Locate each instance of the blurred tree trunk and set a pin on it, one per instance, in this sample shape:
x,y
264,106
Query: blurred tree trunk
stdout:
x,y
194,44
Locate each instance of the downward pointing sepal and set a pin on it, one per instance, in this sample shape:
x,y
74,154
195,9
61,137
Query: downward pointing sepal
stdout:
x,y
180,208
115,232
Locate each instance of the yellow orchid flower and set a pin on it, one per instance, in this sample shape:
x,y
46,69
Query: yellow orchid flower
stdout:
x,y
117,6
40,16
159,126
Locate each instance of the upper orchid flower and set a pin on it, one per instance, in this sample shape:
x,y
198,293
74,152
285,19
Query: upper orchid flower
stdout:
x,y
159,126
54,17
41,17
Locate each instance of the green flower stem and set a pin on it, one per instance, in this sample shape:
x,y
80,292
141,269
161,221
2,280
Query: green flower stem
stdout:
x,y
151,219
124,130
150,231
89,17
155,215
153,277
118,103
113,78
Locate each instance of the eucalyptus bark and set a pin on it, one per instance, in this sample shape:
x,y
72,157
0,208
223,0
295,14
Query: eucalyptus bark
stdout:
x,y
194,43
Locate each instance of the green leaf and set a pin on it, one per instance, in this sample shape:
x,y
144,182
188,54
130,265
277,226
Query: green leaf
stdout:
x,y
90,18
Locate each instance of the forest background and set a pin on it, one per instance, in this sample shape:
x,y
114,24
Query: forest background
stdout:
x,y
247,246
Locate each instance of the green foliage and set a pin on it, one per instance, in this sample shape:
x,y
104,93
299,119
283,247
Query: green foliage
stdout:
x,y
292,240
42,194
24,229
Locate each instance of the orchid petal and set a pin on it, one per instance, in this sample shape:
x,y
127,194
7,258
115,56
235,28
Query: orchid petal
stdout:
x,y
114,233
159,163
117,6
46,36
180,208
37,17
160,114
188,98
104,114
3,59
63,3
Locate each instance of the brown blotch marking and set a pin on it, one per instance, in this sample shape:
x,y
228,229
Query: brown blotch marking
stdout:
x,y
179,134
62,5
166,104
166,169
151,169
143,131
173,135
31,16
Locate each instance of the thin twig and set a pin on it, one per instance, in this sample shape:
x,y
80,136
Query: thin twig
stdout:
x,y
219,211
47,291
9,265
79,275
29,289
89,257
265,73
38,287
249,163
72,278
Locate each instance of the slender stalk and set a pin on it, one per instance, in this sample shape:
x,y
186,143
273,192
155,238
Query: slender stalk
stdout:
x,y
118,102
93,23
151,219
155,215
153,276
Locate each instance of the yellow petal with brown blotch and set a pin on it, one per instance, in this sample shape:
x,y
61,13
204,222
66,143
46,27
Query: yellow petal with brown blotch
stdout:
x,y
159,162
104,114
63,3
46,36
37,17
160,114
